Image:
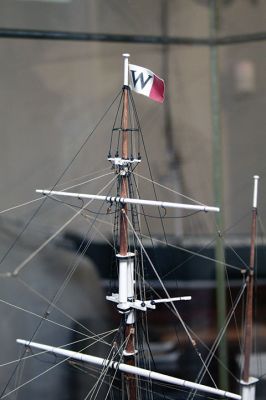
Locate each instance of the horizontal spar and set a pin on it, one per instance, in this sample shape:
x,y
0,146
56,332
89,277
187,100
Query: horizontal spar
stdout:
x,y
130,369
125,200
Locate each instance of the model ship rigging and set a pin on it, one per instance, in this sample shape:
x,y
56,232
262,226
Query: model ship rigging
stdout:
x,y
130,297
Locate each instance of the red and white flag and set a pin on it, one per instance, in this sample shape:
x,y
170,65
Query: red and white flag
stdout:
x,y
145,82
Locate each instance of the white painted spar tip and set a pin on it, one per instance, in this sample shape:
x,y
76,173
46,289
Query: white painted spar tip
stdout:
x,y
126,56
255,191
20,341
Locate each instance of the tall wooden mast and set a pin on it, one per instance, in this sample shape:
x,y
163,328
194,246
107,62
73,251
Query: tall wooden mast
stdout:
x,y
129,333
248,383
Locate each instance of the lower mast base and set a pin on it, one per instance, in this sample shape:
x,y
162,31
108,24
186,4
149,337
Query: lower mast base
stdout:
x,y
248,389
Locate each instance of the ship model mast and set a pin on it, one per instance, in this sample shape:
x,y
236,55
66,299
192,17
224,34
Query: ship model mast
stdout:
x,y
126,298
248,383
126,259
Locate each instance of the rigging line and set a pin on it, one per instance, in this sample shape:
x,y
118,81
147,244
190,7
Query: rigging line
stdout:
x,y
151,358
179,248
175,389
169,189
86,369
101,234
105,370
148,229
103,378
103,335
235,320
92,373
221,237
232,302
220,336
34,378
13,244
37,376
89,370
43,245
88,181
206,246
18,378
55,306
193,253
146,391
162,284
63,190
121,97
86,217
56,297
83,176
193,332
42,317
117,367
20,205
72,269
146,155
216,357
77,263
192,341
236,253
74,207
171,217
98,384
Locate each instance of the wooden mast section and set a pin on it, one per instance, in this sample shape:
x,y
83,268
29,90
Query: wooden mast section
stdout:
x,y
248,383
123,239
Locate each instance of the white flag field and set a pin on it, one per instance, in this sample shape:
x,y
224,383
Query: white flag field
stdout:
x,y
145,82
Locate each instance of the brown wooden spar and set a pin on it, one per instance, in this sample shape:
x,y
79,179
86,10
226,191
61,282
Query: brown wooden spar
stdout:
x,y
123,241
247,381
129,332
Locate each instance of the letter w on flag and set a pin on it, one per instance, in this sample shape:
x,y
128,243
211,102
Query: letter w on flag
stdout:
x,y
145,82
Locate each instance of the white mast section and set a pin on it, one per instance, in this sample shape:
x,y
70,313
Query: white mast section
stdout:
x,y
130,369
125,200
255,191
126,56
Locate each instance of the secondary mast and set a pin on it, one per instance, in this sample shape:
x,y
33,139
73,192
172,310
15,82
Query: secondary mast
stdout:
x,y
247,382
